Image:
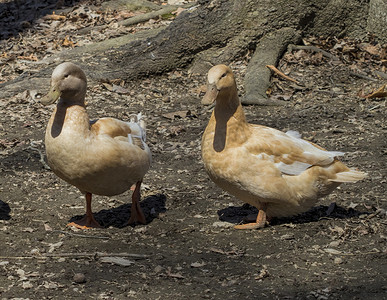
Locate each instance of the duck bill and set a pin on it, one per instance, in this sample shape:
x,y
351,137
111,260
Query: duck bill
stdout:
x,y
211,94
52,96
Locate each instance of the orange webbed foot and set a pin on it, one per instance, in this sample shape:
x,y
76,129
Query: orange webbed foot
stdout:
x,y
260,222
250,226
85,223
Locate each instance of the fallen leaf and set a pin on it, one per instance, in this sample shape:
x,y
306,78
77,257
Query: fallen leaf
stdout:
x,y
30,57
47,227
68,43
50,285
262,274
27,285
119,89
55,17
353,205
117,260
379,93
198,264
174,275
371,49
179,114
108,86
54,246
332,251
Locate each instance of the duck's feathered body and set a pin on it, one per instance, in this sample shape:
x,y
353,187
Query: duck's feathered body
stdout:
x,y
274,171
103,157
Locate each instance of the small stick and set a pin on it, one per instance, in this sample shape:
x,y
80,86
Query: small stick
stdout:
x,y
79,255
46,166
55,17
96,255
312,48
379,93
353,254
82,235
275,70
381,74
362,75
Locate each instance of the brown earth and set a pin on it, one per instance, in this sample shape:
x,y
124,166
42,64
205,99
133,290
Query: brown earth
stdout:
x,y
188,249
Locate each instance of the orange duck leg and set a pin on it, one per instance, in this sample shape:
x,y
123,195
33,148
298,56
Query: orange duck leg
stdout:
x,y
88,221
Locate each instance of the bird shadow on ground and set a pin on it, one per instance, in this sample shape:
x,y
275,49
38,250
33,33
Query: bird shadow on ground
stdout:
x,y
118,217
4,211
248,213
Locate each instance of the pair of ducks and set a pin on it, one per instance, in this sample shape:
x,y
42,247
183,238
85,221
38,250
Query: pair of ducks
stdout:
x,y
279,173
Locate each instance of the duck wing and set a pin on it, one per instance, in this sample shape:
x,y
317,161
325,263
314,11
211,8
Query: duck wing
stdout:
x,y
290,154
133,132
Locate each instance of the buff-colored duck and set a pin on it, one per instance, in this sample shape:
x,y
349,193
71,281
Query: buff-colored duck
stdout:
x,y
279,173
104,157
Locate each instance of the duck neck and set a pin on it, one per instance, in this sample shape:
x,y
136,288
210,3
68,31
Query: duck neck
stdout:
x,y
230,122
68,115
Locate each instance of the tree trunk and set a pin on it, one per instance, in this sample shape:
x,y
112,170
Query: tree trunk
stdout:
x,y
218,32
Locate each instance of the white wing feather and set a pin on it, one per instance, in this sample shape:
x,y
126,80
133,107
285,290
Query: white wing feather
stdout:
x,y
311,153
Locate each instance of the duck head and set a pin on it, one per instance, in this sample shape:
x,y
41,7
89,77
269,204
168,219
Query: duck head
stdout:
x,y
68,82
221,85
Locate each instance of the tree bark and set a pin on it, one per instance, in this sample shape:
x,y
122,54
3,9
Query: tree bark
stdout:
x,y
220,31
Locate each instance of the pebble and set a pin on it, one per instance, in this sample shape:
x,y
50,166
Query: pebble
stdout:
x,y
222,224
338,260
79,278
334,243
158,269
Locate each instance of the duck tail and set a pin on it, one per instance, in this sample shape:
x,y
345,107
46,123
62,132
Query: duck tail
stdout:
x,y
349,176
138,125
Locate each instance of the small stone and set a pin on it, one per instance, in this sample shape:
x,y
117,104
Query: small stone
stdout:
x,y
198,264
332,251
27,285
158,269
287,237
337,90
79,278
220,224
334,243
338,261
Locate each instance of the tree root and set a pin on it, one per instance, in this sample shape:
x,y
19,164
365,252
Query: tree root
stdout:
x,y
292,47
268,52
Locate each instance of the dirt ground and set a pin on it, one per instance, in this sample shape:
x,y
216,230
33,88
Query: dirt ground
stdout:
x,y
189,249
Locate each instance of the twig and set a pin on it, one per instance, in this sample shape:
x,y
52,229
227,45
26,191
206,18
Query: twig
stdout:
x,y
275,70
362,253
45,165
379,93
362,75
372,108
292,47
96,255
82,235
211,106
381,74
